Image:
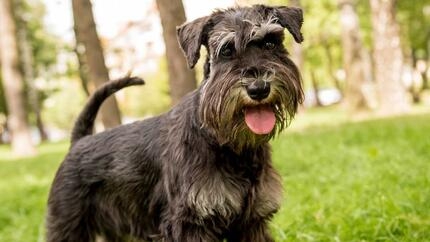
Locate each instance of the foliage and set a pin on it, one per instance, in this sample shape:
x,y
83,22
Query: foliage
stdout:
x,y
364,13
322,33
151,99
344,181
414,17
44,45
63,103
321,30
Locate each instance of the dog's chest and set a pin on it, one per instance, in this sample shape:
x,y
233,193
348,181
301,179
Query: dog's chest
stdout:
x,y
231,195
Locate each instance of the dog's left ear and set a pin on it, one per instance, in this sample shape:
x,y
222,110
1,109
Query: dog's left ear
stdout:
x,y
191,36
290,18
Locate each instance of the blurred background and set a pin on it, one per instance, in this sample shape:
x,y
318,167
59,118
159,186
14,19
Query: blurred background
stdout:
x,y
358,152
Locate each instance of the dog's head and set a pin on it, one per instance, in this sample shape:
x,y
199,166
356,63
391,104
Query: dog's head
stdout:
x,y
251,88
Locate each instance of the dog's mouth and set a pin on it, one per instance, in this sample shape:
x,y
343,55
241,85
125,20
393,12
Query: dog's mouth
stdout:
x,y
260,119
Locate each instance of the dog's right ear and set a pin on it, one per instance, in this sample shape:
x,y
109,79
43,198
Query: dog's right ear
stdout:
x,y
191,36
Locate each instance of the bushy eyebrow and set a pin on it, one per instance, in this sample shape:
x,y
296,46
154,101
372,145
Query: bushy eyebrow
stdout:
x,y
223,38
259,32
256,32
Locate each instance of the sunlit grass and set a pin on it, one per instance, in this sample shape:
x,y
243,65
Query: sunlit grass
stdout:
x,y
344,181
24,185
366,181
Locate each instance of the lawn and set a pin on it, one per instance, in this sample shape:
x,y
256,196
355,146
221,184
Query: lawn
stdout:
x,y
343,180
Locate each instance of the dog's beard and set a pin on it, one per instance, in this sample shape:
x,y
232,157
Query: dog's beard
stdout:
x,y
224,101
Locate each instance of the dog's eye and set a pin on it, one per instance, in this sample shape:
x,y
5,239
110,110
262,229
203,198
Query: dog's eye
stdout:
x,y
269,45
227,51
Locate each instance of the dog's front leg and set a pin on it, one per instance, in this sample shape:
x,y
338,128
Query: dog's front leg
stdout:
x,y
182,231
255,232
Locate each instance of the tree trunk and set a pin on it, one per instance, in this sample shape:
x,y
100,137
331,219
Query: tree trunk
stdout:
x,y
388,58
33,93
3,130
414,89
181,79
82,68
315,87
86,33
331,67
354,61
424,76
13,83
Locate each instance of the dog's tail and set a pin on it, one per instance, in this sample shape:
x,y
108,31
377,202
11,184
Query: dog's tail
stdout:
x,y
85,123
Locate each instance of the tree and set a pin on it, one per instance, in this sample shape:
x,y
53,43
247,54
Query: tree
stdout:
x,y
88,40
358,94
28,71
388,58
414,17
181,79
322,52
34,47
13,83
82,67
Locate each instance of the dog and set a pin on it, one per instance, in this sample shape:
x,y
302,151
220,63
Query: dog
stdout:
x,y
201,171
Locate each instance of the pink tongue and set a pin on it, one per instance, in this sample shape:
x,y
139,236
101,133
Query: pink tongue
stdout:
x,y
260,119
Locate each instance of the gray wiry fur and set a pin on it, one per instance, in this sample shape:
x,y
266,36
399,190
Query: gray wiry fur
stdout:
x,y
197,172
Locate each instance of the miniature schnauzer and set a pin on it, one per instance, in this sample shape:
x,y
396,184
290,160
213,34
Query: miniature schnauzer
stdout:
x,y
202,171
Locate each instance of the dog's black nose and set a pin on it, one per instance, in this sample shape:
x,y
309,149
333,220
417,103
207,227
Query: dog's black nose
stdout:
x,y
258,90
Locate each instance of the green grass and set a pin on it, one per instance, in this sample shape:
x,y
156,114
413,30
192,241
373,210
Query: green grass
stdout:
x,y
24,185
366,181
344,181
